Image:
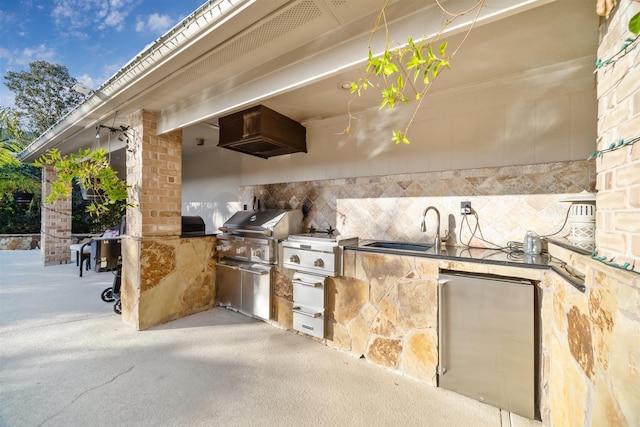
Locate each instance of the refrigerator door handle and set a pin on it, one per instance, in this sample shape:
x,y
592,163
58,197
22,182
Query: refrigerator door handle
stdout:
x,y
441,368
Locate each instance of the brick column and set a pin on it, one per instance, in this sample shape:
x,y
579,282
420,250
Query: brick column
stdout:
x,y
55,224
154,172
618,180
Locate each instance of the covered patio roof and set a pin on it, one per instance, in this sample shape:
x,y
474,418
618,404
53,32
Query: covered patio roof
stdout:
x,y
292,55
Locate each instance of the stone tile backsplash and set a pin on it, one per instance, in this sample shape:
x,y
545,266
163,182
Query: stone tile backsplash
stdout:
x,y
508,201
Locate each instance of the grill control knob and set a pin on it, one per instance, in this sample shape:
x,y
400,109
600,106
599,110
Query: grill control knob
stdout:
x,y
295,259
241,250
318,263
257,253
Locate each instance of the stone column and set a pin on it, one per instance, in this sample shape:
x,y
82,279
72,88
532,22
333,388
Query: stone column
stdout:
x,y
164,277
55,223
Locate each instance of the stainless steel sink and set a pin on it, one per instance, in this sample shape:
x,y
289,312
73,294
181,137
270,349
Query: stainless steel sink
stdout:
x,y
401,246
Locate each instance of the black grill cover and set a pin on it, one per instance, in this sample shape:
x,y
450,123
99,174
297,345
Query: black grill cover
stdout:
x,y
192,226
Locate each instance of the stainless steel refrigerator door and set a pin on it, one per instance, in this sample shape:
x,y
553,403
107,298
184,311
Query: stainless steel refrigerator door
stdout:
x,y
487,341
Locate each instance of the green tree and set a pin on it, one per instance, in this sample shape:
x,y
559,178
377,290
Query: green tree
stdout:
x,y
15,177
13,138
43,94
19,215
18,182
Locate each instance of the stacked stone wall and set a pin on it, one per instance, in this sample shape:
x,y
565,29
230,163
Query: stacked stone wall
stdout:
x,y
591,346
12,242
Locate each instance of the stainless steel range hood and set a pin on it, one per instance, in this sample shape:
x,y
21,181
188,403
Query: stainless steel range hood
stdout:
x,y
262,132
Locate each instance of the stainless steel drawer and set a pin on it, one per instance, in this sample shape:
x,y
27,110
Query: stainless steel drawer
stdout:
x,y
309,295
308,320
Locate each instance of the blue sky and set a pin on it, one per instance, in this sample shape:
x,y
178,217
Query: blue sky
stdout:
x,y
92,38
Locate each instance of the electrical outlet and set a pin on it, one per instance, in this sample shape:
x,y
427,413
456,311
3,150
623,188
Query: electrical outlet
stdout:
x,y
465,208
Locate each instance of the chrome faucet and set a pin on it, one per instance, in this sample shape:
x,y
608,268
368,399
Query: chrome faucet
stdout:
x,y
423,226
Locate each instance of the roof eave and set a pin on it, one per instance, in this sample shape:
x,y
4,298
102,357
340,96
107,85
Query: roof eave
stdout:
x,y
210,15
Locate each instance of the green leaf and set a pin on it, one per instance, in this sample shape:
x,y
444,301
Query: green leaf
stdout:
x,y
398,137
416,74
634,24
442,48
437,68
389,69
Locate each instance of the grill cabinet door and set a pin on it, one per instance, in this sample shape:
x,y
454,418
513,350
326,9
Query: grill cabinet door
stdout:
x,y
229,286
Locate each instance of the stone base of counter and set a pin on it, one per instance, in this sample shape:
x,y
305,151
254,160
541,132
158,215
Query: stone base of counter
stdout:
x,y
384,308
165,279
282,301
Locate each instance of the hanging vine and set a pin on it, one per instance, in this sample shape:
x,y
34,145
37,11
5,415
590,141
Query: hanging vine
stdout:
x,y
404,74
92,171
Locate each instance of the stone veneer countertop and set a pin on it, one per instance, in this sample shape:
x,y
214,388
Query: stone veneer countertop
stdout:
x,y
483,256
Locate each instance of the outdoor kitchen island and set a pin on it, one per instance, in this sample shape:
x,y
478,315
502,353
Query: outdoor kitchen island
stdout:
x,y
166,278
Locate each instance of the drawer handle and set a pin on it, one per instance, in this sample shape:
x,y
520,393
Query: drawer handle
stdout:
x,y
441,304
312,314
258,272
311,285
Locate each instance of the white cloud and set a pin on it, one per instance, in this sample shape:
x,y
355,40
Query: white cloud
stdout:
x,y
155,23
75,15
139,25
159,23
39,53
115,19
87,80
16,57
7,98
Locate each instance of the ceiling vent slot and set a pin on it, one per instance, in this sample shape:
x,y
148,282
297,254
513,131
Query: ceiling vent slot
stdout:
x,y
280,24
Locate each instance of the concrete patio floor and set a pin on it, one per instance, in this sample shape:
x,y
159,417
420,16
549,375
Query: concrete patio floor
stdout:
x,y
67,360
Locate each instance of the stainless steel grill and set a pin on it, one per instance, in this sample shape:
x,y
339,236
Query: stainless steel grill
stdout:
x,y
247,250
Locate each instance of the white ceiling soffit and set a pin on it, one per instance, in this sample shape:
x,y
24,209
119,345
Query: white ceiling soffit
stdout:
x,y
233,53
300,43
